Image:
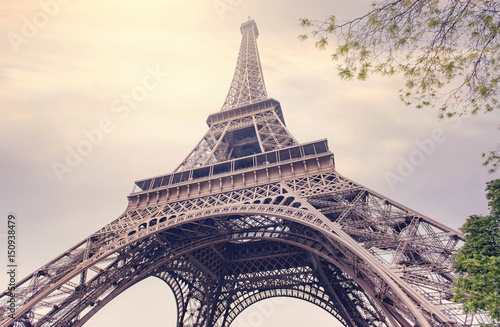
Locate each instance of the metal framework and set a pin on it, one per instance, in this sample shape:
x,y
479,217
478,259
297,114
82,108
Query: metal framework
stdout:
x,y
250,214
248,81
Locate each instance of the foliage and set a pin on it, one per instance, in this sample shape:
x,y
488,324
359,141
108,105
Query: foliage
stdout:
x,y
447,51
478,261
492,159
479,289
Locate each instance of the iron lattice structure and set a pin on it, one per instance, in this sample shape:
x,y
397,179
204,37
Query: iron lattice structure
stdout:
x,y
250,214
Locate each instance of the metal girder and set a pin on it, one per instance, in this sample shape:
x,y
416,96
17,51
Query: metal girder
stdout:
x,y
248,81
245,134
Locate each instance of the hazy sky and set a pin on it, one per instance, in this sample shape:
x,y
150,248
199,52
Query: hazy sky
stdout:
x,y
67,68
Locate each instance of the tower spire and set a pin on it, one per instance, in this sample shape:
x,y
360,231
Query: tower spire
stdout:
x,y
248,81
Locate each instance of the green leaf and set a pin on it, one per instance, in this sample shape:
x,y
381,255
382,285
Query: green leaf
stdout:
x,y
434,23
332,24
322,43
305,22
345,73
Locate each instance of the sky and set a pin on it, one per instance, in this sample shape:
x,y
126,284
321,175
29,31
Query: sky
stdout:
x,y
70,72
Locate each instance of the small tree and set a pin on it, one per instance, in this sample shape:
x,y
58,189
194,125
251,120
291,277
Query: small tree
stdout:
x,y
478,261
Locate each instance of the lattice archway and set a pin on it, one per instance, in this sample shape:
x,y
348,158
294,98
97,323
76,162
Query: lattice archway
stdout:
x,y
261,229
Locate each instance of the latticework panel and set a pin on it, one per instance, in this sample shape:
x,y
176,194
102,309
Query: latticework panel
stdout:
x,y
240,137
247,85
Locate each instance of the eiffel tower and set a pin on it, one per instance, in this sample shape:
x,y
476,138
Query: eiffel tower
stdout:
x,y
250,214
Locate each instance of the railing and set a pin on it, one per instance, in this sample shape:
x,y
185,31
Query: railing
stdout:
x,y
301,151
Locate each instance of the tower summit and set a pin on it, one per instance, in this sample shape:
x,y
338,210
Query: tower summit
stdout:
x,y
248,82
250,214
